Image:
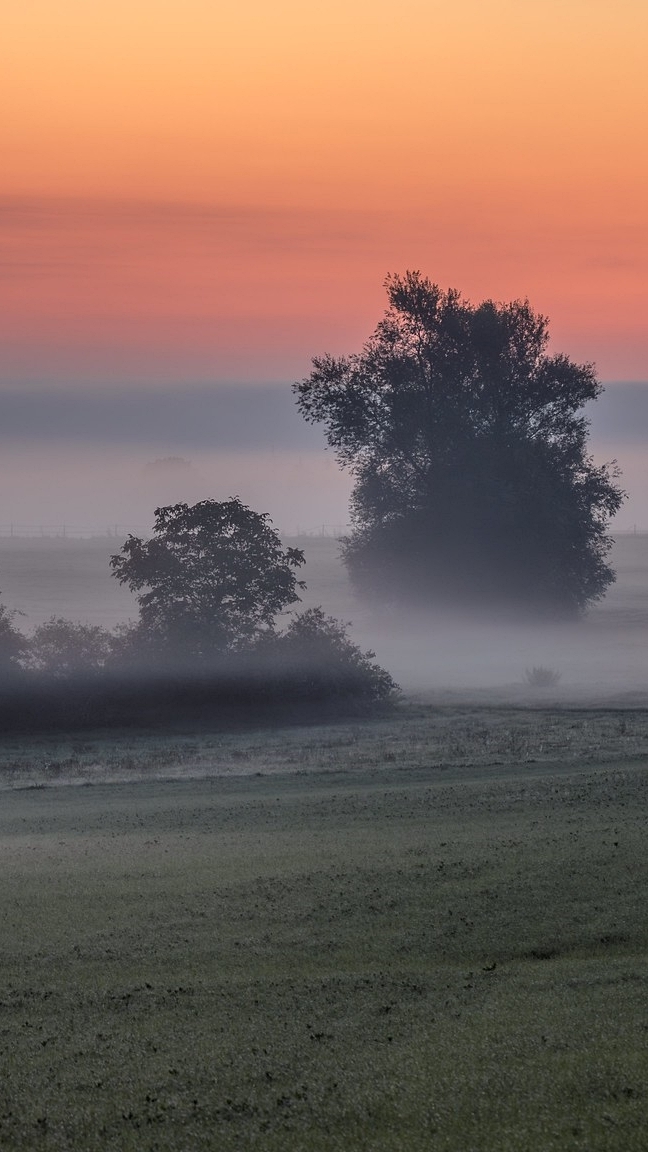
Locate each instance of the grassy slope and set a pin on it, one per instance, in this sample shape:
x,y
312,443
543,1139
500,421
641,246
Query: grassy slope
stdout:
x,y
411,941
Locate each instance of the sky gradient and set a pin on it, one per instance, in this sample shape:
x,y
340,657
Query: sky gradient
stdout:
x,y
204,191
197,197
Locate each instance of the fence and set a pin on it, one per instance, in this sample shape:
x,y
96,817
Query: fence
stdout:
x,y
120,531
71,531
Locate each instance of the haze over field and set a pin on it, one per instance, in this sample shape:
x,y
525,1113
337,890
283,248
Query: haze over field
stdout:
x,y
455,656
197,201
94,459
253,897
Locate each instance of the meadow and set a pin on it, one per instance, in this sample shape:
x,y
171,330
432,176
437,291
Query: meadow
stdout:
x,y
421,932
425,930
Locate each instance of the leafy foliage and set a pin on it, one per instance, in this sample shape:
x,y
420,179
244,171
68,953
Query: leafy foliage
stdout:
x,y
322,660
211,579
469,451
64,648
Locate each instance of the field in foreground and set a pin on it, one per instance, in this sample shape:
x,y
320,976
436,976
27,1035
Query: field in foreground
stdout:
x,y
427,932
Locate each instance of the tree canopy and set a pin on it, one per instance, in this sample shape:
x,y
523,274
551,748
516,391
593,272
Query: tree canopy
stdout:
x,y
210,580
468,445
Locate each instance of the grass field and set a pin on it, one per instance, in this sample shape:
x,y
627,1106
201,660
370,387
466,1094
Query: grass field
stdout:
x,y
425,931
422,932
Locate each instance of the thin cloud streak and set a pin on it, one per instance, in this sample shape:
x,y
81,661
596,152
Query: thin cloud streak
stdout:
x,y
98,486
234,418
105,291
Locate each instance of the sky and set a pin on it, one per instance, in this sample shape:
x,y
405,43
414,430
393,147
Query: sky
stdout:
x,y
198,197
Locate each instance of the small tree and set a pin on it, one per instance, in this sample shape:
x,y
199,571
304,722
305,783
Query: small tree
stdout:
x,y
469,450
211,579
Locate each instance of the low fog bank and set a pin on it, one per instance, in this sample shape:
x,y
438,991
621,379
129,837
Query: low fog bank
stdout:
x,y
97,490
91,459
600,656
446,656
100,469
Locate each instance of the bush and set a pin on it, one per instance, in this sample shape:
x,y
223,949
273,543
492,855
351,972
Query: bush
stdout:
x,y
63,649
540,677
317,658
211,583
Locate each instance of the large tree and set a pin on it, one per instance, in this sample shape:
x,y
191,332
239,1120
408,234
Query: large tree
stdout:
x,y
468,445
210,580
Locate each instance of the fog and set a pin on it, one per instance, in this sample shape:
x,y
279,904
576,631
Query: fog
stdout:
x,y
78,466
90,459
91,490
448,657
482,657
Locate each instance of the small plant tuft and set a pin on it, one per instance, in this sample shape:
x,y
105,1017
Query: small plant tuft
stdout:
x,y
541,677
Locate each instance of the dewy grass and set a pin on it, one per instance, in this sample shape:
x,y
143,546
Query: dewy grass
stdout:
x,y
426,952
414,736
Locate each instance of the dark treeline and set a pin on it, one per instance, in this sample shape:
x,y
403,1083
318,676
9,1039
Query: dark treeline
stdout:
x,y
212,583
267,688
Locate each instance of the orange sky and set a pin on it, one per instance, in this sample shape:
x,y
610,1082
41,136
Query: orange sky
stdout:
x,y
198,190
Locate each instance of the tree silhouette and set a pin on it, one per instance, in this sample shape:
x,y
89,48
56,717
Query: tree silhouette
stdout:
x,y
468,446
211,579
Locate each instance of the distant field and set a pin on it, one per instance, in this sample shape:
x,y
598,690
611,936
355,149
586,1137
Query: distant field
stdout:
x,y
71,577
421,934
